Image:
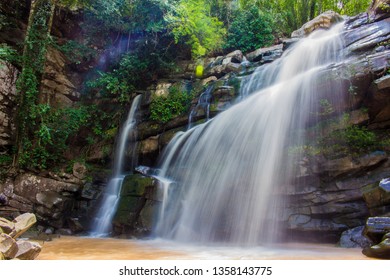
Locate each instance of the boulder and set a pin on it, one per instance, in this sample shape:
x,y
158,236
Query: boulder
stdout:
x,y
377,195
381,250
75,225
51,199
236,56
265,54
323,21
22,224
6,226
28,185
376,228
8,246
27,250
354,238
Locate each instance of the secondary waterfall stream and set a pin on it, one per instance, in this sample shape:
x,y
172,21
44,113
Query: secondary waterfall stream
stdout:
x,y
102,223
227,172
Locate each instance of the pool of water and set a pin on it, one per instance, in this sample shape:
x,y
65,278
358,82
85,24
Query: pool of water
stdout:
x,y
84,248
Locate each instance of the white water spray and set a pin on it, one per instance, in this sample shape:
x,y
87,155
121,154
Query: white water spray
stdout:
x,y
102,223
228,171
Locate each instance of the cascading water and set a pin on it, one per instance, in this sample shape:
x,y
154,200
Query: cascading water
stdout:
x,y
204,103
228,172
102,223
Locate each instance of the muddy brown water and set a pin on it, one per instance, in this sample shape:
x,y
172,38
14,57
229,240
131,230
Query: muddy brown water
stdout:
x,y
83,248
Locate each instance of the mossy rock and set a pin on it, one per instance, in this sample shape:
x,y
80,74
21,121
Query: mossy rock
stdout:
x,y
130,204
136,185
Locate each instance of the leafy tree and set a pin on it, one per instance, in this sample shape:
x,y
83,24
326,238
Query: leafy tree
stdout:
x,y
250,29
191,21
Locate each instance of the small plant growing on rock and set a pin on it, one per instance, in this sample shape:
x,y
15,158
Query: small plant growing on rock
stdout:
x,y
165,108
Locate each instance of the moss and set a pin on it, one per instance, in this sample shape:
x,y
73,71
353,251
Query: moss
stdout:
x,y
135,185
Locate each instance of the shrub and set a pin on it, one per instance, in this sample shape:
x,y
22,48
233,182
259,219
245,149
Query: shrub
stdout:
x,y
165,108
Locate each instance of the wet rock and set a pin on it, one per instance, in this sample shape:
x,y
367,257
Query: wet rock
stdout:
x,y
367,36
378,100
8,246
381,250
22,224
349,165
265,54
379,9
136,185
354,238
323,21
27,250
91,191
75,225
236,56
377,227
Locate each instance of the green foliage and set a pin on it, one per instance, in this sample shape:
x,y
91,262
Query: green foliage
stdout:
x,y
165,108
8,54
120,82
191,21
76,52
250,30
5,159
54,129
359,138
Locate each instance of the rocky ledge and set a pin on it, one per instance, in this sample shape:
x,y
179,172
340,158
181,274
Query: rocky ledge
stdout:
x,y
11,246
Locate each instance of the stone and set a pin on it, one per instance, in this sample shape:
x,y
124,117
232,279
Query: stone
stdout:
x,y
80,170
91,191
27,250
354,238
236,56
162,88
22,224
323,21
29,185
75,225
8,76
3,199
64,231
135,185
51,199
6,226
377,227
209,80
376,194
379,9
147,215
8,246
265,54
349,165
381,250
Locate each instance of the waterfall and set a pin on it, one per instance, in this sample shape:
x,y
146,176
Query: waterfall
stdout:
x,y
102,222
228,172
